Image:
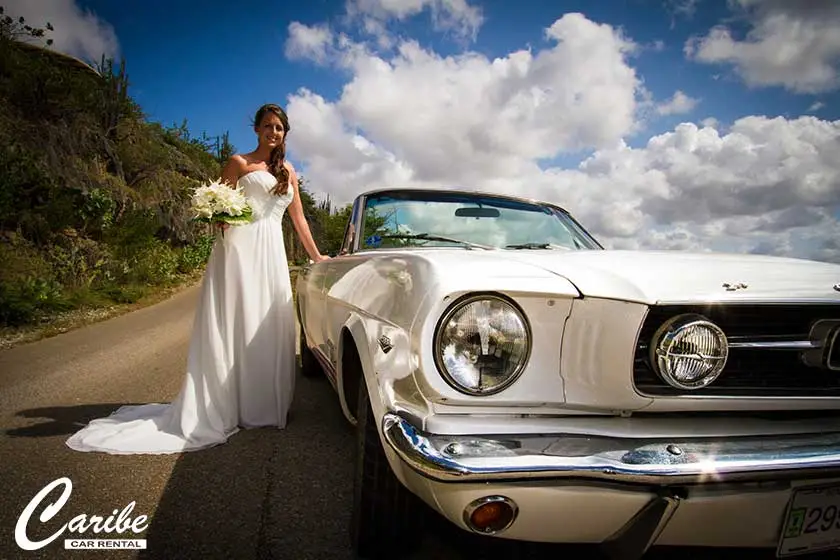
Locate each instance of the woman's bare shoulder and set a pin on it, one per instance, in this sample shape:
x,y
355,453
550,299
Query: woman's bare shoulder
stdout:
x,y
235,167
241,160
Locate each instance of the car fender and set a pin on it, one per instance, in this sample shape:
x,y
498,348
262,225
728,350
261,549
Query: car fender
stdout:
x,y
356,329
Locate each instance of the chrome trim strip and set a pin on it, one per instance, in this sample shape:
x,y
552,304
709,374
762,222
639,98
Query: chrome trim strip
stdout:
x,y
764,345
329,370
834,340
448,458
740,299
778,345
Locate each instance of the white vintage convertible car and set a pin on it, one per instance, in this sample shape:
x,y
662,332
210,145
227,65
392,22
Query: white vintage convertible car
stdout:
x,y
525,383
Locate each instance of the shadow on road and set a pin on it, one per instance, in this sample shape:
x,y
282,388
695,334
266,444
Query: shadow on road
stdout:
x,y
274,494
266,493
287,494
62,420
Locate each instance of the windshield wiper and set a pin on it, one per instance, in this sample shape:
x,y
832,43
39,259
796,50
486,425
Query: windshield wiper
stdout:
x,y
429,237
529,246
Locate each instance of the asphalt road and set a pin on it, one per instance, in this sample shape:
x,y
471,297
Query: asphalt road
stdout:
x,y
265,494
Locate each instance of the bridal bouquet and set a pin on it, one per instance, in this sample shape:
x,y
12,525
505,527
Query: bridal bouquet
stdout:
x,y
216,202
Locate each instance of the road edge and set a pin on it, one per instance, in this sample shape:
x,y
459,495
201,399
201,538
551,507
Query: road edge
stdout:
x,y
79,318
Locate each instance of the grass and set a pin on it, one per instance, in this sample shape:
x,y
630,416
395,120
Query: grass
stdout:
x,y
93,309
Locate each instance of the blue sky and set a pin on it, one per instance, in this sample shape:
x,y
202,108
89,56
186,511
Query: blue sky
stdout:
x,y
667,124
214,62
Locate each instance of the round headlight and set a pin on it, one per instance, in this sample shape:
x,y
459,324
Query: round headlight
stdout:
x,y
482,344
689,352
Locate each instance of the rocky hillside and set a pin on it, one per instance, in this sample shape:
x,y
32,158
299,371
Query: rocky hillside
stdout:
x,y
93,196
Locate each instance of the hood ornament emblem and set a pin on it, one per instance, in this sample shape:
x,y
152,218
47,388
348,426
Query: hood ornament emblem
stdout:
x,y
733,287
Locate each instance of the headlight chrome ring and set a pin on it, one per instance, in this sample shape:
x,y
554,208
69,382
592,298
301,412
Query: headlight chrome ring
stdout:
x,y
482,344
689,352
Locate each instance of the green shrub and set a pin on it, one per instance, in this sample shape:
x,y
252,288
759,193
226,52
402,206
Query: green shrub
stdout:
x,y
195,256
77,262
126,293
30,299
154,264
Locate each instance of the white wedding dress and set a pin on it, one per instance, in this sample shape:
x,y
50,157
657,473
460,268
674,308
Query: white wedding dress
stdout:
x,y
241,361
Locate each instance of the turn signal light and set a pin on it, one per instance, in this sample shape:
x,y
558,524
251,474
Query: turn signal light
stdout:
x,y
490,515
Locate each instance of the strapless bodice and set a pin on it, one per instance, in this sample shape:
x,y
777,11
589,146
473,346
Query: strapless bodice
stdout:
x,y
257,187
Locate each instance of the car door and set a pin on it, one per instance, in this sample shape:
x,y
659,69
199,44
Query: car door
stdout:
x,y
310,302
332,309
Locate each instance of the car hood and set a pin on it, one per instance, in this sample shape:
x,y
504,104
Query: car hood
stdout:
x,y
669,276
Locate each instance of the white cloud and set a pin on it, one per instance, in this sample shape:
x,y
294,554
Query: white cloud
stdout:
x,y
77,32
767,184
679,104
338,161
711,122
463,118
793,44
816,106
308,42
420,119
826,239
458,17
685,8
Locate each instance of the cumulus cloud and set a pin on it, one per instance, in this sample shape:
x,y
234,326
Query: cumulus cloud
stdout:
x,y
308,42
793,44
679,104
826,240
462,118
711,122
767,186
416,118
78,32
457,17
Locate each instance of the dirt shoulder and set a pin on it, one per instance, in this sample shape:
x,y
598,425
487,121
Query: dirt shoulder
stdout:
x,y
76,318
72,320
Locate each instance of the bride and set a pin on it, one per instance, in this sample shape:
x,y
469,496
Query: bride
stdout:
x,y
241,361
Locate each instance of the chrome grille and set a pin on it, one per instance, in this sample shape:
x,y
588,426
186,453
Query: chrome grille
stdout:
x,y
773,367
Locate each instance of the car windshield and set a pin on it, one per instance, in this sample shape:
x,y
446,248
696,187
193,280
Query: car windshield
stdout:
x,y
434,219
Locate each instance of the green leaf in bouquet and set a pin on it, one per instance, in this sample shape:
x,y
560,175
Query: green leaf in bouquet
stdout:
x,y
236,220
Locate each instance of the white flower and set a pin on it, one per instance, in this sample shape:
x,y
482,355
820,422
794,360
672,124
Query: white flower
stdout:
x,y
216,201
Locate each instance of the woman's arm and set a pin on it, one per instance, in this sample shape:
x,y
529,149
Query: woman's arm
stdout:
x,y
230,175
299,220
233,170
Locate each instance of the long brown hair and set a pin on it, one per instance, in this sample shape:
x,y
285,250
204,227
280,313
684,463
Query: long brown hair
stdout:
x,y
278,154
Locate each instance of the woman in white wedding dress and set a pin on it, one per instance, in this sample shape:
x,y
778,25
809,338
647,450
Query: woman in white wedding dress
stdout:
x,y
241,361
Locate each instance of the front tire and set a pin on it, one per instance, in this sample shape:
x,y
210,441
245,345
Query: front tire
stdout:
x,y
387,519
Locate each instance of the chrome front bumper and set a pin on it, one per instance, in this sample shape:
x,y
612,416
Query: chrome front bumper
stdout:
x,y
613,460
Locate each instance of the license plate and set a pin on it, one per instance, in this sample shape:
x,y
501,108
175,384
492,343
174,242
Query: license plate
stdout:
x,y
812,523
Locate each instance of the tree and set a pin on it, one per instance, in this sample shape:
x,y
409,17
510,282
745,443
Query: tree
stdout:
x,y
224,149
295,252
115,105
18,30
94,199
